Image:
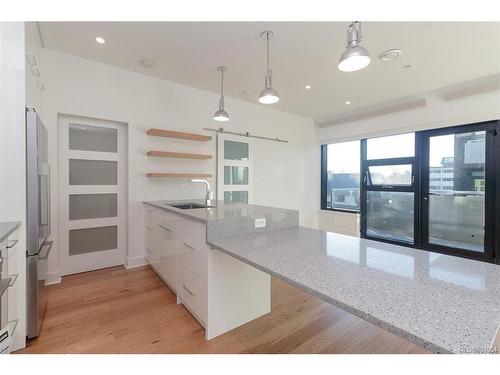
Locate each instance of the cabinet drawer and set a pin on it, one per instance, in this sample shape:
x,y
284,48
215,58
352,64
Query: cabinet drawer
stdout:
x,y
194,258
191,230
192,292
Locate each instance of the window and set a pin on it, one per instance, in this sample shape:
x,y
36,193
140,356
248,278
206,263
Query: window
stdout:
x,y
341,176
436,190
388,202
394,146
234,169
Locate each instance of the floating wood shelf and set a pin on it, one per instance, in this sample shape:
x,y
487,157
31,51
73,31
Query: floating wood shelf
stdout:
x,y
185,175
180,155
179,135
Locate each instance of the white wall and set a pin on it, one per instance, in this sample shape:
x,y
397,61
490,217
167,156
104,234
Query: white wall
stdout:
x,y
286,175
437,113
34,95
13,164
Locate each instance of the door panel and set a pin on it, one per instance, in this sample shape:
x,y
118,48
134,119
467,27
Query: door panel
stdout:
x,y
92,194
458,181
234,169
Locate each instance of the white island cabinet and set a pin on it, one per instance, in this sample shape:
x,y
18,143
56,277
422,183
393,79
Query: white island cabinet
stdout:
x,y
220,291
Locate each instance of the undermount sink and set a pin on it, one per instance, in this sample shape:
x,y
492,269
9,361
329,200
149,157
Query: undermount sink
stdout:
x,y
189,206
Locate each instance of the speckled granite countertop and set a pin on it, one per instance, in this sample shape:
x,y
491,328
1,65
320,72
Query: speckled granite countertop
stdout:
x,y
443,303
231,219
7,228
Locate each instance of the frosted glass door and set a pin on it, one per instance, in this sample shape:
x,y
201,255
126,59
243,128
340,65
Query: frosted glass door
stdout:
x,y
234,169
92,185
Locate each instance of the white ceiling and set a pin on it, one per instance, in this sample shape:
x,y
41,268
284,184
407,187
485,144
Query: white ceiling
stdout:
x,y
440,54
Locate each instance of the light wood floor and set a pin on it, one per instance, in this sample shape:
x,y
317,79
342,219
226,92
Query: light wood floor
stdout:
x,y
131,311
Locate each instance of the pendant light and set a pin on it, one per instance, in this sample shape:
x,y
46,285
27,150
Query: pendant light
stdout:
x,y
268,95
221,114
355,57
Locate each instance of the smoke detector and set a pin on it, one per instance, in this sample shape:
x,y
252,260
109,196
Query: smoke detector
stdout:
x,y
390,54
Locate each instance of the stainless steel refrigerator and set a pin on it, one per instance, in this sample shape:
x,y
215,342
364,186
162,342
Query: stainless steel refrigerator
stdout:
x,y
37,220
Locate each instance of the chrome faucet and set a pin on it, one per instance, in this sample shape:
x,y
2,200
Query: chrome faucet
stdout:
x,y
209,195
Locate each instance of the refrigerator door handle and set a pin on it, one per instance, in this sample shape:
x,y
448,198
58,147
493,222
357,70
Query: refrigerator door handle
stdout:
x,y
45,196
48,201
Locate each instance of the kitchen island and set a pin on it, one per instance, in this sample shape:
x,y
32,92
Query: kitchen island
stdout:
x,y
443,303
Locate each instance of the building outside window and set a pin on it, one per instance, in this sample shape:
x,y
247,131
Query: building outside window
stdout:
x,y
343,176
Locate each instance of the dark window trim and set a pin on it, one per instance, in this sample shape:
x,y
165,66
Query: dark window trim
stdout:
x,y
341,210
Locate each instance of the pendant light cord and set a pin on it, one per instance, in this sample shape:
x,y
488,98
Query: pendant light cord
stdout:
x,y
222,84
221,101
267,38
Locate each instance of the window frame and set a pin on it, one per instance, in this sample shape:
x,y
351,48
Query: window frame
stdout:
x,y
413,188
491,196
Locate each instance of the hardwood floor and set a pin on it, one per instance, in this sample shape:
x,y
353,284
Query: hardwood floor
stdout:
x,y
132,311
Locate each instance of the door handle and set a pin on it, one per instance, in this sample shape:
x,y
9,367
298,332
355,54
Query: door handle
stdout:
x,y
164,227
189,246
187,290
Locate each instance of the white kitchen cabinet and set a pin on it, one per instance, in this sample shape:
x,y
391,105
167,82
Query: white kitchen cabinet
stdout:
x,y
194,248
221,292
192,293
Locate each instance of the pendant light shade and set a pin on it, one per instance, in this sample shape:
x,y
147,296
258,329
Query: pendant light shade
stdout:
x,y
355,57
268,95
221,114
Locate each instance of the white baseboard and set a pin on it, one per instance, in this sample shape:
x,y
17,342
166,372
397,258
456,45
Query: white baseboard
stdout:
x,y
53,278
132,262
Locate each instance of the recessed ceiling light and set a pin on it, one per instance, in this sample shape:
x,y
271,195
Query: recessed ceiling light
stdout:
x,y
100,40
406,66
307,87
347,102
390,54
147,63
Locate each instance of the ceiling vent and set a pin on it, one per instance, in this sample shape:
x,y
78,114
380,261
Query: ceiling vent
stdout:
x,y
390,54
477,86
374,111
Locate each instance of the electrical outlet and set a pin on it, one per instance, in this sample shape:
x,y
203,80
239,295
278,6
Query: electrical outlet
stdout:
x,y
260,223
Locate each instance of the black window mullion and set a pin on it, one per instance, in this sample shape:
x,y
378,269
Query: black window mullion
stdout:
x,y
390,161
492,173
324,175
496,223
362,185
416,176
